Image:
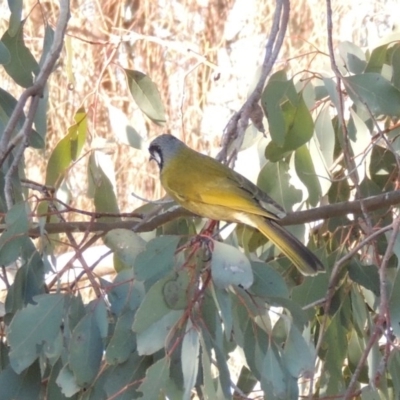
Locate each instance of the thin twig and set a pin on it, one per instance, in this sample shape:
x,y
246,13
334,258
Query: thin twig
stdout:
x,y
239,122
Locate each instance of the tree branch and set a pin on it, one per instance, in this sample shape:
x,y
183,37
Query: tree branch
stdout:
x,y
321,213
37,88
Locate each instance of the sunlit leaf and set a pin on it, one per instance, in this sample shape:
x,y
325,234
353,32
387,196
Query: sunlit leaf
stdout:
x,y
67,150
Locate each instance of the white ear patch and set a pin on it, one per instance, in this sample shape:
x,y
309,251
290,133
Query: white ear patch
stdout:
x,y
156,155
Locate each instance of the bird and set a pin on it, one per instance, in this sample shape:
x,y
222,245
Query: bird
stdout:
x,y
210,189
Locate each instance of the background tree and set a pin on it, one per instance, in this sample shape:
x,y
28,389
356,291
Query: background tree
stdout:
x,y
317,130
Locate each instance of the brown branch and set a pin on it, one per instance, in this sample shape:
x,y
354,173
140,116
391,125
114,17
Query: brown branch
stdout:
x,y
321,213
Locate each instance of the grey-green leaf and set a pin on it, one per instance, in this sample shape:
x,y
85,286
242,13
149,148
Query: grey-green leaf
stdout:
x,y
146,95
229,266
26,335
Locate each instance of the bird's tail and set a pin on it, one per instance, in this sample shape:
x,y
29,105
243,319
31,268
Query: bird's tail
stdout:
x,y
306,261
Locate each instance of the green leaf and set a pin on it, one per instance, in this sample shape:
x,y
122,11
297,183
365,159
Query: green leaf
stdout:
x,y
22,66
229,266
23,386
298,126
267,281
26,335
365,275
377,59
353,57
16,14
154,337
394,369
157,260
7,105
67,150
123,340
122,381
275,94
208,381
246,382
279,189
306,172
375,91
273,377
297,355
394,305
224,304
190,358
146,96
155,381
125,244
101,186
85,350
153,307
5,56
395,62
14,238
125,293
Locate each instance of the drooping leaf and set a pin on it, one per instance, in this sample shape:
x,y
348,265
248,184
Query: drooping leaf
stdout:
x,y
22,386
274,179
15,7
67,150
146,96
101,185
156,377
152,308
267,281
26,335
5,56
14,238
190,358
297,354
123,340
229,266
353,57
154,337
365,275
22,67
306,172
86,350
157,260
126,292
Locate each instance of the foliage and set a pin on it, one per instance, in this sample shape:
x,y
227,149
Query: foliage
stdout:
x,y
178,306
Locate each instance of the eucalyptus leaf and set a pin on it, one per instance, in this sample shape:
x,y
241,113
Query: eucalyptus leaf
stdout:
x,y
229,266
156,377
86,350
22,67
26,335
375,91
146,96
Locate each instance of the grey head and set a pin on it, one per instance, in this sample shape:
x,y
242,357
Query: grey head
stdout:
x,y
163,148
